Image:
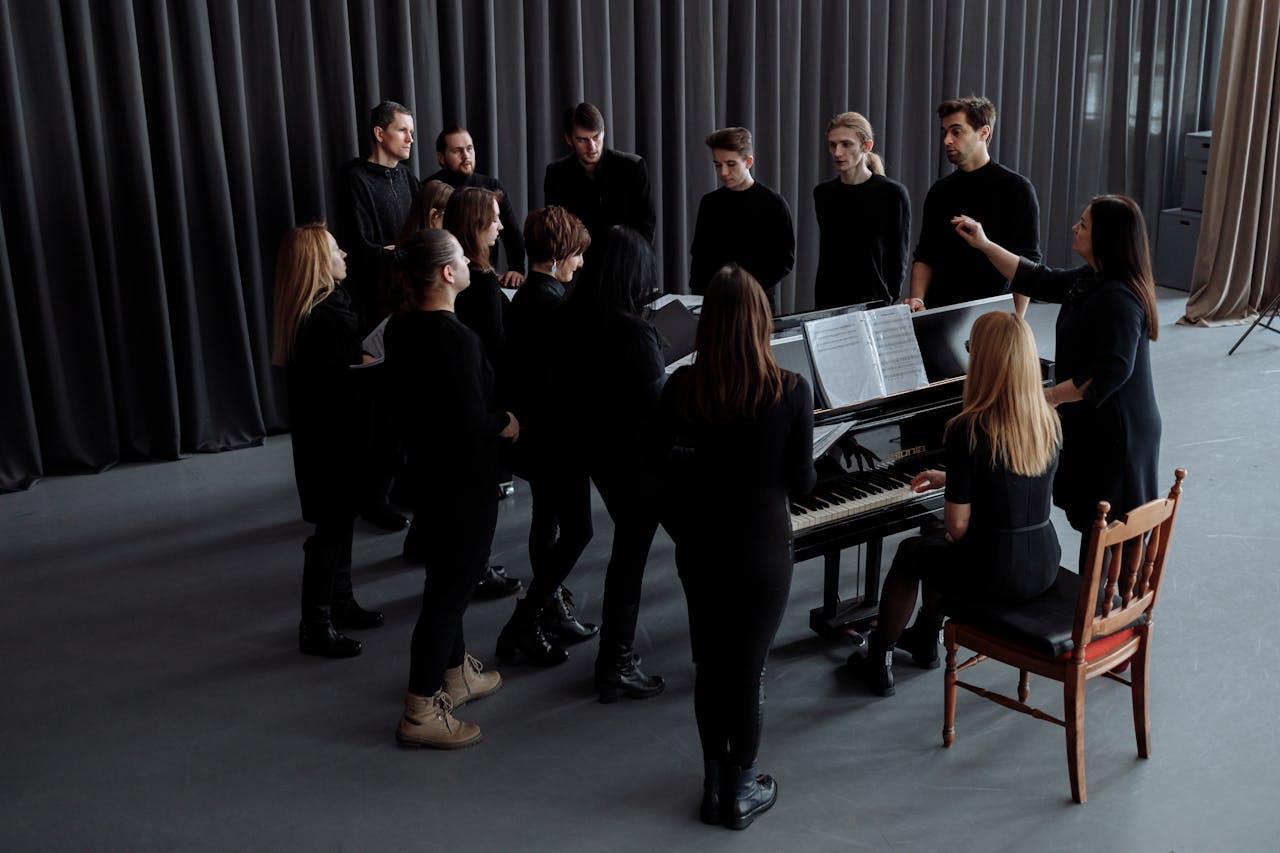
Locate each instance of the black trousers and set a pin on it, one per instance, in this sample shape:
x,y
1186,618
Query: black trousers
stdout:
x,y
327,552
458,531
559,526
631,496
734,613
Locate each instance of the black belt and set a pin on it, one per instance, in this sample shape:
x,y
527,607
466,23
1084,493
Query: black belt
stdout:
x,y
1028,529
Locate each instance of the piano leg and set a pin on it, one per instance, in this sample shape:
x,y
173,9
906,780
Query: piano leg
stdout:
x,y
836,618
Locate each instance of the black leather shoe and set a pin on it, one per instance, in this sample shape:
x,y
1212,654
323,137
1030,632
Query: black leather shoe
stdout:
x,y
745,795
560,622
618,674
875,669
530,642
349,615
316,636
383,517
922,642
494,583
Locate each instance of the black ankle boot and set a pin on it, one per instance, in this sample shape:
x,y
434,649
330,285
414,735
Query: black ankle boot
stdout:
x,y
922,642
344,612
316,636
495,583
522,635
744,795
875,669
709,811
618,674
560,622
353,617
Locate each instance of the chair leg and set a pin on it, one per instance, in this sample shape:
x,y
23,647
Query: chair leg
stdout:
x,y
1141,715
1073,709
1024,685
949,688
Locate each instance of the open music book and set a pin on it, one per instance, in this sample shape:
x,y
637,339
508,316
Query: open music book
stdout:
x,y
864,355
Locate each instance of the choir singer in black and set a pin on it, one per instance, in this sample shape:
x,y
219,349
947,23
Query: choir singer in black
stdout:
x,y
742,430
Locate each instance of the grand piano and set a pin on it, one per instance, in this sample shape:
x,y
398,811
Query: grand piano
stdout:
x,y
863,492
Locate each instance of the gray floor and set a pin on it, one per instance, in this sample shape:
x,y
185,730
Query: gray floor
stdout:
x,y
154,697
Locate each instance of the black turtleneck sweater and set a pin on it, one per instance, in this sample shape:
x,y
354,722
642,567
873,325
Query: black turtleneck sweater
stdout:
x,y
751,228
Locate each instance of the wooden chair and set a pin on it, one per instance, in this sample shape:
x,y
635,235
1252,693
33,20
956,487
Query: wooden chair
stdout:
x,y
1067,635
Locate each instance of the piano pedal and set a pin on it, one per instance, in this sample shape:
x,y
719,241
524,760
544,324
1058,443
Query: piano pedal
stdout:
x,y
858,642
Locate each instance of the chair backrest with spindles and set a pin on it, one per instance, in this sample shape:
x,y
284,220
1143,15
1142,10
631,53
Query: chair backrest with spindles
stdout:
x,y
1125,564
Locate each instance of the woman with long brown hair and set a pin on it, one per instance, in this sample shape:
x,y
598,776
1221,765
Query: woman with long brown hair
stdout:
x,y
314,337
472,216
427,210
452,429
743,439
1000,452
1110,422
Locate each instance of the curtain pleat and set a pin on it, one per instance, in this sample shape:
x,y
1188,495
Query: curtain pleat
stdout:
x,y
158,150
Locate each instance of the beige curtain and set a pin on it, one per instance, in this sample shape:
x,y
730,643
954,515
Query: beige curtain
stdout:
x,y
1238,257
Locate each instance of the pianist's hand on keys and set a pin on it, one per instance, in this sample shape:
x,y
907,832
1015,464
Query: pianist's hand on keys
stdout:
x,y
927,481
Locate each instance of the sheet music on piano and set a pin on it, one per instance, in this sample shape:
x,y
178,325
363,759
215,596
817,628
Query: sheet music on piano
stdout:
x,y
864,355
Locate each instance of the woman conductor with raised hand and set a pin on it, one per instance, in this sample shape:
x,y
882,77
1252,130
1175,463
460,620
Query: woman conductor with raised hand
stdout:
x,y
1105,397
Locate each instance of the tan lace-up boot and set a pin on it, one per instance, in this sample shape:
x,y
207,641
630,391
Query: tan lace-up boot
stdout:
x,y
469,681
429,721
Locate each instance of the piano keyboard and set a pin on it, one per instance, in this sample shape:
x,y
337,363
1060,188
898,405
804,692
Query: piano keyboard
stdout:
x,y
853,494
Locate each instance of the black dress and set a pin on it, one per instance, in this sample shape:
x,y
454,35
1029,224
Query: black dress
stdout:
x,y
1111,438
448,421
727,509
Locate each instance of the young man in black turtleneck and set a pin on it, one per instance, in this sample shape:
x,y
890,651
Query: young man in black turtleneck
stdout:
x,y
456,154
946,269
743,222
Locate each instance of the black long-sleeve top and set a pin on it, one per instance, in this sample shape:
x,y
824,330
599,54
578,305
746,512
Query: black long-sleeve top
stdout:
x,y
864,230
482,308
1111,438
528,361
325,401
617,192
444,405
751,228
612,371
373,203
512,236
1004,202
728,479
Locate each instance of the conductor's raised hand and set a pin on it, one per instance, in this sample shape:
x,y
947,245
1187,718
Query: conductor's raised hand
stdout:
x,y
512,429
970,230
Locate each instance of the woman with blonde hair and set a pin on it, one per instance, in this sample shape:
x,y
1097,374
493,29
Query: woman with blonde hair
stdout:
x,y
314,338
864,220
742,430
1001,453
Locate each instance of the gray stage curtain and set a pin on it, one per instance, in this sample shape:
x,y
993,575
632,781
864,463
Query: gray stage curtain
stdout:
x,y
154,152
1237,268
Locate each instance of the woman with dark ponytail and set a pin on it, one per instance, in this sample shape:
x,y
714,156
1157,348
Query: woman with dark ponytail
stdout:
x,y
451,429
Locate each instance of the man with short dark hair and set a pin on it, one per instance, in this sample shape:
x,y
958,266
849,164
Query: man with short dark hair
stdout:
x,y
374,196
946,269
375,193
456,154
600,186
743,222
